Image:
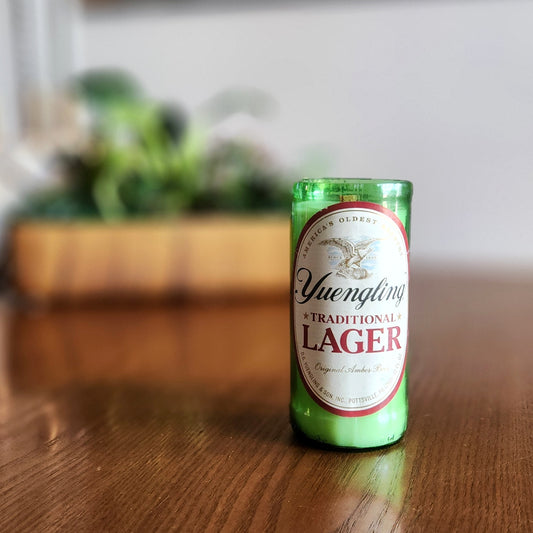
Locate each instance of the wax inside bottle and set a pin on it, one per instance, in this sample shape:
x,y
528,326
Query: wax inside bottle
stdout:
x,y
387,425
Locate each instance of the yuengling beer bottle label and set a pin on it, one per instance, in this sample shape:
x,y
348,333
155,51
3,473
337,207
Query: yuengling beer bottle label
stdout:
x,y
349,310
350,307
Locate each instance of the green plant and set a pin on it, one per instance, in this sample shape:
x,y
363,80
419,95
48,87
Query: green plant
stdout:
x,y
145,159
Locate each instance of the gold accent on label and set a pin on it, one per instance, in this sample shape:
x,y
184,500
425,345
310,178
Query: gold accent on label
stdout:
x,y
349,197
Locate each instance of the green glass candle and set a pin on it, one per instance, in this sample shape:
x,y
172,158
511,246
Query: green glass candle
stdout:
x,y
349,308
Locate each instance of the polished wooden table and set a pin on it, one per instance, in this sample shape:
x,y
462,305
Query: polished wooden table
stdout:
x,y
173,417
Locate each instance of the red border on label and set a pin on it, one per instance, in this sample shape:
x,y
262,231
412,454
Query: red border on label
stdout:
x,y
332,208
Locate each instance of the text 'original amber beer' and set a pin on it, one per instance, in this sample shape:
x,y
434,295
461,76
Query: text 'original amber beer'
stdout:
x,y
350,299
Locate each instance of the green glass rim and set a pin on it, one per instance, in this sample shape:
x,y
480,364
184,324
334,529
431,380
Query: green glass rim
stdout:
x,y
355,181
382,188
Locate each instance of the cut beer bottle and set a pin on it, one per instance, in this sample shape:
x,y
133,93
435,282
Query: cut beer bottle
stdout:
x,y
349,310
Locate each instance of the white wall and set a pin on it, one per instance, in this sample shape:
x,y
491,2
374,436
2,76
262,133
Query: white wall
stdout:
x,y
437,92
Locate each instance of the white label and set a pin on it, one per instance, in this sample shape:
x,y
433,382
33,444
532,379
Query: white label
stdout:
x,y
350,306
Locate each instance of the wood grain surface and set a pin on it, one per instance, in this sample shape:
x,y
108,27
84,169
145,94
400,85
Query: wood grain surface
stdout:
x,y
175,418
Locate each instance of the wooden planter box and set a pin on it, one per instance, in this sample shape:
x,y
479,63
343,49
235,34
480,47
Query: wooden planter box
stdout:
x,y
197,256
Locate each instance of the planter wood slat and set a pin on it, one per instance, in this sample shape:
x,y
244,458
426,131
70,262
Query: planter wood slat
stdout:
x,y
196,256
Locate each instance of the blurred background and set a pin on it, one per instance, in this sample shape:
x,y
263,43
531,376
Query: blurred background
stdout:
x,y
115,110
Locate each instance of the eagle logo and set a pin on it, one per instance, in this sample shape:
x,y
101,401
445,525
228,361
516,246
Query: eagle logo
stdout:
x,y
353,254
